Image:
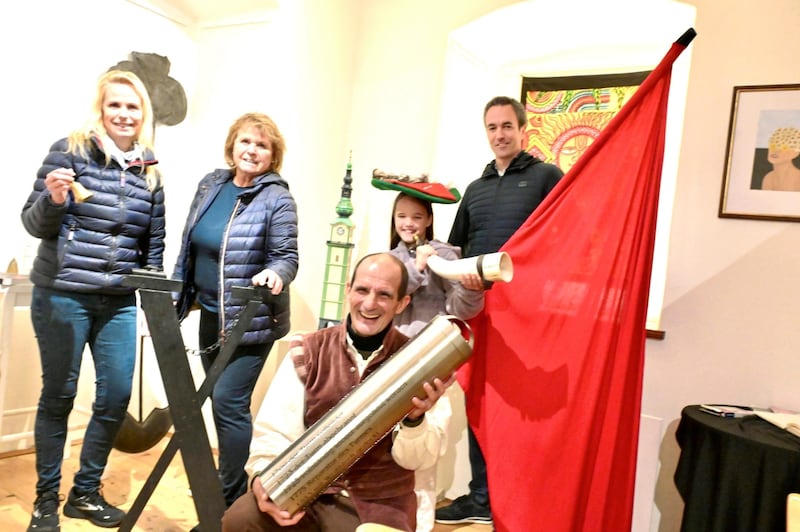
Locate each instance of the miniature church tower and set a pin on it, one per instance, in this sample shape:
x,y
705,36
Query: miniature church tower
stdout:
x,y
337,262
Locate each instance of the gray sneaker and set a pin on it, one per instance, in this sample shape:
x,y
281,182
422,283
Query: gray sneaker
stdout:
x,y
45,513
93,507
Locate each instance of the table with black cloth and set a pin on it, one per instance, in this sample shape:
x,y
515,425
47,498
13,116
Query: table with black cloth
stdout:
x,y
734,473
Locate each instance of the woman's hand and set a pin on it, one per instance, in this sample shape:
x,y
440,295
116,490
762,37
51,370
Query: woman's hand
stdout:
x,y
270,279
58,182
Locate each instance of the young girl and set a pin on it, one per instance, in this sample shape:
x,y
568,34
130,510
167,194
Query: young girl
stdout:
x,y
413,243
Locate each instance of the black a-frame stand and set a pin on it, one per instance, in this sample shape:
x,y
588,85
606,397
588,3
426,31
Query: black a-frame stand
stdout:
x,y
190,437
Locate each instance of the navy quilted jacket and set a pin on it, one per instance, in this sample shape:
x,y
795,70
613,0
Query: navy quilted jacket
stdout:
x,y
262,233
494,207
90,246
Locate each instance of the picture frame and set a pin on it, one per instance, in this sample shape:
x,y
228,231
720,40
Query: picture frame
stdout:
x,y
760,183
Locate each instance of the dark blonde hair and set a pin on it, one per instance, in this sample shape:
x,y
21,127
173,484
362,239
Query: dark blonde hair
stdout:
x,y
394,239
267,128
80,139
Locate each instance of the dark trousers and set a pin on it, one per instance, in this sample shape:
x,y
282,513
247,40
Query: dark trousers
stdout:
x,y
329,513
478,486
230,404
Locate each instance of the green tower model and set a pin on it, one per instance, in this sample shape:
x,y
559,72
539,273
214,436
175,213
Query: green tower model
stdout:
x,y
337,262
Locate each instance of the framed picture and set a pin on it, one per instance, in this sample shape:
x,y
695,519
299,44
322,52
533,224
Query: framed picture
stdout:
x,y
762,158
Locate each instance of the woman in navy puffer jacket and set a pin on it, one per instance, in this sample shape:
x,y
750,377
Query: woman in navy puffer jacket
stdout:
x,y
87,247
241,231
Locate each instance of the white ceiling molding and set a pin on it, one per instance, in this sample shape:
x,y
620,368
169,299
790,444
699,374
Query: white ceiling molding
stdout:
x,y
207,14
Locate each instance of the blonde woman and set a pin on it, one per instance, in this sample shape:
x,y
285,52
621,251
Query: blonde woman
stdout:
x,y
89,241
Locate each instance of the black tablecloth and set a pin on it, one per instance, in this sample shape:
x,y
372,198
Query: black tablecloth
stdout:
x,y
734,473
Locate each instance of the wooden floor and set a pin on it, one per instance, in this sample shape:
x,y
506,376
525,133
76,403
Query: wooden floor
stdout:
x,y
170,508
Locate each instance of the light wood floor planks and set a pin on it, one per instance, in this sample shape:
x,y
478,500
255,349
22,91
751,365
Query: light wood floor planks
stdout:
x,y
170,508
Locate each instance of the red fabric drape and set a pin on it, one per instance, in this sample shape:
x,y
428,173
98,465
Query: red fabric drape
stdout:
x,y
554,382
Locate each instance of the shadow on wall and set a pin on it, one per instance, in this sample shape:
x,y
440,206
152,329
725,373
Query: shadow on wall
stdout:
x,y
667,499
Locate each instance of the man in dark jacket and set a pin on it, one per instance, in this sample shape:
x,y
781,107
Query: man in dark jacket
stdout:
x,y
492,209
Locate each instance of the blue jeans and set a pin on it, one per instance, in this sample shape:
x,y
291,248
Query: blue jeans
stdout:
x,y
64,323
230,404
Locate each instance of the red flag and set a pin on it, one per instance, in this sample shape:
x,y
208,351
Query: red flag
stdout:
x,y
554,384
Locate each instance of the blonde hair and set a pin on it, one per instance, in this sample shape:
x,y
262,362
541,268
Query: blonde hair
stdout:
x,y
80,139
267,127
785,138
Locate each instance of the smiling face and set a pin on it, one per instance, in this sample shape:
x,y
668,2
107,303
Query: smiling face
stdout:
x,y
122,114
252,155
374,294
411,218
504,133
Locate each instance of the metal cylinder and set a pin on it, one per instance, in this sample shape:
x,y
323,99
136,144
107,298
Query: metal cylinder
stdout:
x,y
334,443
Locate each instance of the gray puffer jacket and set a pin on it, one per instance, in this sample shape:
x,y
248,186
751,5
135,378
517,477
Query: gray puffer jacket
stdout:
x,y
262,233
90,246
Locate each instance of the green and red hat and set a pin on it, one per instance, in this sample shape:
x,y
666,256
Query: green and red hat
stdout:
x,y
433,192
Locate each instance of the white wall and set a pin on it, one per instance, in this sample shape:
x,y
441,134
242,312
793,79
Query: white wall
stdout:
x,y
732,299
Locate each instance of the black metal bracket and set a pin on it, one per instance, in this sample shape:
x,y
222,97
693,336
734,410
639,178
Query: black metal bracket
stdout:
x,y
190,437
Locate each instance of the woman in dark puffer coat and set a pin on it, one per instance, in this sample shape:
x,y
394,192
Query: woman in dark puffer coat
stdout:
x,y
241,231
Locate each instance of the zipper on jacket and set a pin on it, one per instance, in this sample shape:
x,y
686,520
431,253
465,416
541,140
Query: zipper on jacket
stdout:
x,y
63,250
222,251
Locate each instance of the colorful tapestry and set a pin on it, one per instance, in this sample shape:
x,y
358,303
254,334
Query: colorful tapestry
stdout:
x,y
554,384
565,115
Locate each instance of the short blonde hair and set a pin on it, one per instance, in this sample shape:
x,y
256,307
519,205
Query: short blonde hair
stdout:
x,y
267,127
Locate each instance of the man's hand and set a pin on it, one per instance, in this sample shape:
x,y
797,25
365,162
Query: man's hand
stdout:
x,y
434,391
265,504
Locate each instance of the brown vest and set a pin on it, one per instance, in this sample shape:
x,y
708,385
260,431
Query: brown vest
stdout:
x,y
382,491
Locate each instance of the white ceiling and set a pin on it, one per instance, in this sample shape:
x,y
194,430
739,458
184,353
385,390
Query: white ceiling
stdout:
x,y
202,13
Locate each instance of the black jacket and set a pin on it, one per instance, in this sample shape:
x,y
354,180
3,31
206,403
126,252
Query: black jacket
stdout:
x,y
494,207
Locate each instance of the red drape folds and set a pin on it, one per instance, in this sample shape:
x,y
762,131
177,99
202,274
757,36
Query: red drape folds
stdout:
x,y
554,383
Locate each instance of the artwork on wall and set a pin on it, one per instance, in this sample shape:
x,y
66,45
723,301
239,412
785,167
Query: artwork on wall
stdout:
x,y
166,93
761,180
566,114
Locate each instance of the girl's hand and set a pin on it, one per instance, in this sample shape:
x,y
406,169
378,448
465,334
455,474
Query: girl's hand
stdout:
x,y
422,253
472,281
